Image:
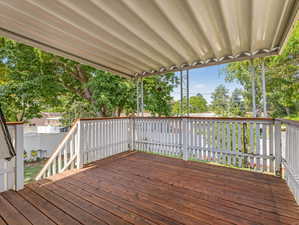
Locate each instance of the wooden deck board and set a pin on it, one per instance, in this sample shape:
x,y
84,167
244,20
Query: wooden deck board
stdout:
x,y
146,189
35,216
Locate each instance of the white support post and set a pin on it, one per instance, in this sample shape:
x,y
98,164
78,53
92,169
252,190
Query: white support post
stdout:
x,y
185,138
277,144
80,145
19,148
188,94
181,94
185,101
139,100
142,103
252,73
264,89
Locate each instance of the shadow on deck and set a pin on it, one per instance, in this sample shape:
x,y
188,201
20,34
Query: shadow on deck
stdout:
x,y
140,188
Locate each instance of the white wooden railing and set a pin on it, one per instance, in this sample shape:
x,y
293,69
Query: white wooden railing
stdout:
x,y
12,171
104,137
65,156
87,141
240,142
251,143
290,156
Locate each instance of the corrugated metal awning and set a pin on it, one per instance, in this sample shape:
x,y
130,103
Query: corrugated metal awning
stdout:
x,y
145,37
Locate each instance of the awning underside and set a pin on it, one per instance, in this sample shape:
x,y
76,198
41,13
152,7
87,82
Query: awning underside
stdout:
x,y
145,37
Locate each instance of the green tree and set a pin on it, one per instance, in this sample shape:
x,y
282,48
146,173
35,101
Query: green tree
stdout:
x,y
25,84
281,78
157,94
220,101
236,103
198,104
32,81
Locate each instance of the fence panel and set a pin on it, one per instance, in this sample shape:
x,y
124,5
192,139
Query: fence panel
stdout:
x,y
290,156
159,136
104,137
239,142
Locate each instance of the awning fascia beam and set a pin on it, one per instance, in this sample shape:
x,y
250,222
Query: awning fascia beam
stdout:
x,y
212,63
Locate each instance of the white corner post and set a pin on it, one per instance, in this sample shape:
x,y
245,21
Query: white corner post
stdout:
x,y
277,146
188,94
19,148
184,111
131,134
252,73
181,93
264,88
140,104
80,144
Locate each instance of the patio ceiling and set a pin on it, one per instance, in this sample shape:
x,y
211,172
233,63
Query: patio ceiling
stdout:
x,y
146,37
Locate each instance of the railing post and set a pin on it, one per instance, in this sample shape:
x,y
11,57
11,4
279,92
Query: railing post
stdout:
x,y
131,134
80,145
19,148
184,134
277,144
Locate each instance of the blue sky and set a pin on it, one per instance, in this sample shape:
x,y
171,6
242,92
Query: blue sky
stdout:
x,y
205,80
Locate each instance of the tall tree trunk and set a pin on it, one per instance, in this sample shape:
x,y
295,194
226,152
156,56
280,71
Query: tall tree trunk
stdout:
x,y
288,111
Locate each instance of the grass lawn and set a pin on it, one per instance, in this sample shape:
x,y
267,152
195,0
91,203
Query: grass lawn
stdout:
x,y
292,117
31,170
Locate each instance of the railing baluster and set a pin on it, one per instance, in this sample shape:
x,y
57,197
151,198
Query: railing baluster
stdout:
x,y
271,161
278,148
219,141
59,161
258,161
251,149
239,151
228,143
64,155
264,149
234,143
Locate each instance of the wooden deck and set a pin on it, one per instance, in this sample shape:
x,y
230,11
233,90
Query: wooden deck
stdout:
x,y
139,188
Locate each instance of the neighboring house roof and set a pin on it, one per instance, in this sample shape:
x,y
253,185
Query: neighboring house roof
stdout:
x,y
52,119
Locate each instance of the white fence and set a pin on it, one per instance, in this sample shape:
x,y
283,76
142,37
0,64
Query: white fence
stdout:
x,y
87,141
12,171
291,156
41,141
103,138
252,143
241,142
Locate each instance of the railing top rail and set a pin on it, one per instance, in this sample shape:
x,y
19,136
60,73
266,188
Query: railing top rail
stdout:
x,y
176,117
14,123
290,122
103,118
208,118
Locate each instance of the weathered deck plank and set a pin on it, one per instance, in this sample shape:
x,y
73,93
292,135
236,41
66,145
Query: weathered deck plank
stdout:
x,y
146,189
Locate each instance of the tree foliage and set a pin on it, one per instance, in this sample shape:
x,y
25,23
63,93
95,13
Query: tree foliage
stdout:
x,y
32,81
198,104
25,82
220,100
236,103
281,78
